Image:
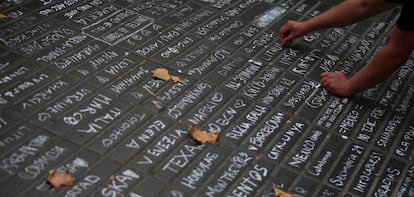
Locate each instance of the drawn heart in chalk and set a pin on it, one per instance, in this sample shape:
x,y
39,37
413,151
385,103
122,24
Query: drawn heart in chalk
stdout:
x,y
239,103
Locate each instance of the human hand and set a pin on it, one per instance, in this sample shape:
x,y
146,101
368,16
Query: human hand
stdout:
x,y
336,83
291,30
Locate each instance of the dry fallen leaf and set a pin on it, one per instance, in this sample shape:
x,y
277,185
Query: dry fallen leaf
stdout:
x,y
162,73
2,16
280,193
2,40
203,136
152,93
57,178
175,79
155,102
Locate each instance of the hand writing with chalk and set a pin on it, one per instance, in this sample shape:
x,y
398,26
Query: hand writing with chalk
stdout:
x,y
384,62
291,30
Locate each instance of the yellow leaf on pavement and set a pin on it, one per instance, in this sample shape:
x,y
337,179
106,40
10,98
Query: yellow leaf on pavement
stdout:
x,y
57,179
203,136
155,102
280,193
162,73
175,79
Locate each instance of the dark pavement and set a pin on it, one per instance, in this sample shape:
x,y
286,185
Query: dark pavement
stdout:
x,y
77,94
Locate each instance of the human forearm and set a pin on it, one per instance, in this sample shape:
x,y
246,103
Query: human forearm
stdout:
x,y
382,65
346,13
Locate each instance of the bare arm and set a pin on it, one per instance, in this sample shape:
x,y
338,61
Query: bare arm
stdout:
x,y
385,62
345,13
382,65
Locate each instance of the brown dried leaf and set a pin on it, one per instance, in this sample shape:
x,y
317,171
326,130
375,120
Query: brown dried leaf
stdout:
x,y
162,73
2,40
175,79
155,102
203,136
58,179
280,193
3,16
152,93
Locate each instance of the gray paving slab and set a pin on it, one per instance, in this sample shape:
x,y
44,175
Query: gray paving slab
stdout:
x,y
77,94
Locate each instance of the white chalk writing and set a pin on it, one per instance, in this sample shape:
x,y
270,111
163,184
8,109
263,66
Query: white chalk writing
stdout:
x,y
259,84
347,165
189,98
317,169
306,89
288,137
19,156
248,184
183,158
44,94
257,141
97,103
331,113
116,133
203,111
368,172
200,170
227,115
404,145
237,163
371,122
217,56
82,185
308,147
62,104
242,77
252,118
391,177
38,166
128,81
120,183
387,135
